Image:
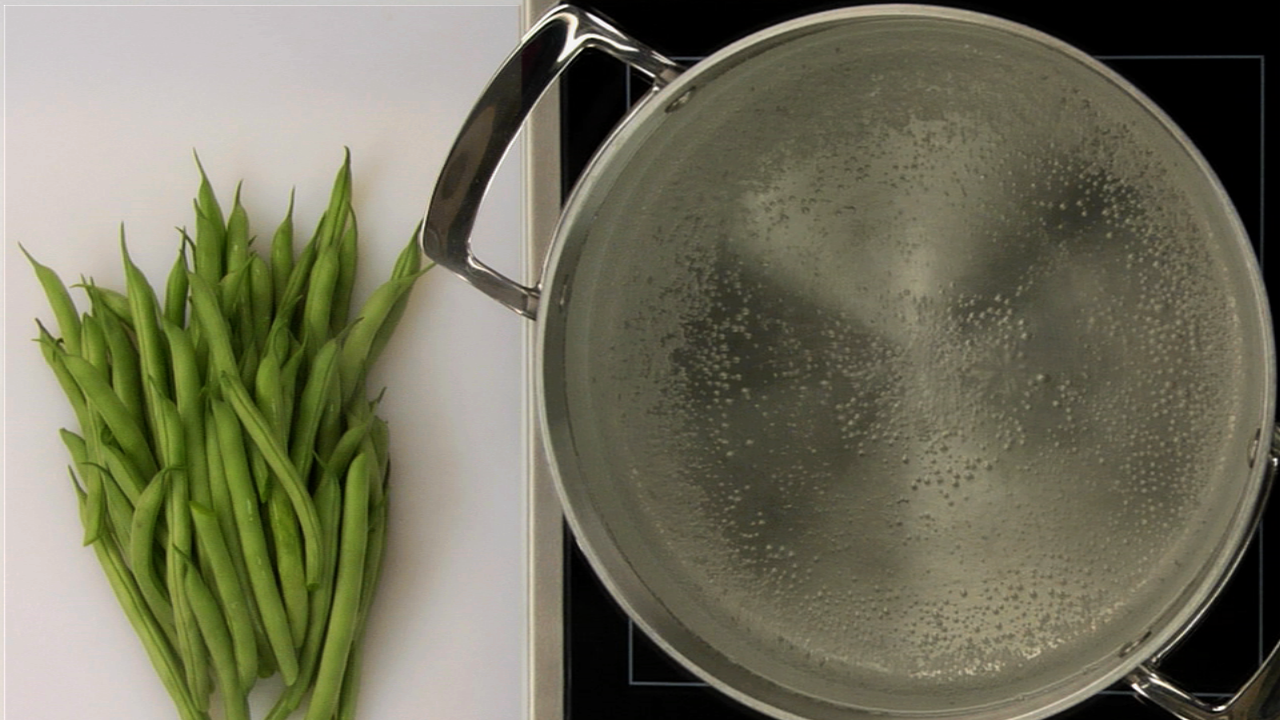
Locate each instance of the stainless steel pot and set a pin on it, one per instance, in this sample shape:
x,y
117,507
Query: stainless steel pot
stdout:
x,y
893,361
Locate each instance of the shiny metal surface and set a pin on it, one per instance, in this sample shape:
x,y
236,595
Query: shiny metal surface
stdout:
x,y
604,329
547,49
1259,699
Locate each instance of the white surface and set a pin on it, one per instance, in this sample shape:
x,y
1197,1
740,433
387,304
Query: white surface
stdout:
x,y
103,108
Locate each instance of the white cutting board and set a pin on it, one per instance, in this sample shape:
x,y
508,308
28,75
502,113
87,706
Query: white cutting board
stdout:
x,y
104,106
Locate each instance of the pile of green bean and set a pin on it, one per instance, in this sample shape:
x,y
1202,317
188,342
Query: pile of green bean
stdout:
x,y
230,469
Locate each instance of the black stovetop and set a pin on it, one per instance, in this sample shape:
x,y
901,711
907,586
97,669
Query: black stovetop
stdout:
x,y
1205,69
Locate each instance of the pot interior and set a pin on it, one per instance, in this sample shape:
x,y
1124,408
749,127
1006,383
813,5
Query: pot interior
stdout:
x,y
910,362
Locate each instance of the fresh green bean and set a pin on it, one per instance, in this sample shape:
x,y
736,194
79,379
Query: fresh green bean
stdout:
x,y
205,310
348,258
189,394
175,291
153,360
259,431
96,497
231,593
233,292
316,394
317,309
244,502
108,298
98,394
238,558
125,475
142,546
261,299
153,637
350,442
372,572
269,395
282,254
289,566
334,220
237,233
328,499
295,288
289,372
126,370
211,232
357,350
93,343
217,638
224,511
64,309
119,506
348,585
54,355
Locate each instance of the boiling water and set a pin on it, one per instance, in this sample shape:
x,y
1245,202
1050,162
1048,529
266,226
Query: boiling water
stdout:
x,y
923,394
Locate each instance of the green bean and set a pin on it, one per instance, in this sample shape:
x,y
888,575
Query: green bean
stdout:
x,y
125,475
188,394
93,343
225,513
153,637
99,396
334,220
253,542
119,506
348,585
408,264
142,545
328,499
237,233
210,232
242,531
95,492
348,258
372,572
126,369
316,393
259,431
317,309
205,310
217,638
270,395
261,299
357,350
282,254
350,442
54,355
295,288
175,292
289,372
146,326
230,592
233,292
108,298
289,565
64,309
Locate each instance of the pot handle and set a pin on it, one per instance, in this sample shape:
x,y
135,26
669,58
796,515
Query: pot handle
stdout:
x,y
546,50
1260,698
